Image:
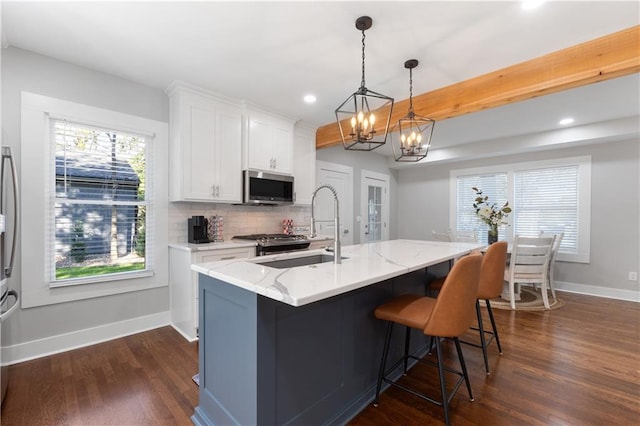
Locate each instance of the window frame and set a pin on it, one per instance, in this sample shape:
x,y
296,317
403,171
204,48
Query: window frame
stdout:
x,y
582,254
36,163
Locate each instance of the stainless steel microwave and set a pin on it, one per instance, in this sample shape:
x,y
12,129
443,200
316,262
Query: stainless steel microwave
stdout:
x,y
263,188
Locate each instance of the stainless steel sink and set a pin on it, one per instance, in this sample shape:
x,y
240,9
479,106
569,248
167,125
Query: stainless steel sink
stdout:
x,y
299,261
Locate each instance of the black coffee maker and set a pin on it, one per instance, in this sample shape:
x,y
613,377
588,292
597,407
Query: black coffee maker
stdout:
x,y
197,229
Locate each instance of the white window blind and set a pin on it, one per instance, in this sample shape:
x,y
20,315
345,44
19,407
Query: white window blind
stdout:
x,y
550,196
494,185
99,207
546,199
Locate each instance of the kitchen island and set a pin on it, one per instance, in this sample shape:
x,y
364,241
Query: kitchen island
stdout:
x,y
300,345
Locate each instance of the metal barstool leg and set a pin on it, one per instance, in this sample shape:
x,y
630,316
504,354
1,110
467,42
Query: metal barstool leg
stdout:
x,y
407,336
483,341
463,366
385,351
427,289
493,324
443,386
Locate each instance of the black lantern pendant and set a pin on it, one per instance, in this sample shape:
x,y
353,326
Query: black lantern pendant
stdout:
x,y
414,132
360,117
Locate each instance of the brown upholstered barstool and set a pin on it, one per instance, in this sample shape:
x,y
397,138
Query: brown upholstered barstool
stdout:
x,y
449,315
491,282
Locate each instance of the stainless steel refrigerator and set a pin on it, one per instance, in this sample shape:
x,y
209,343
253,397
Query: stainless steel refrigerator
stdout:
x,y
9,298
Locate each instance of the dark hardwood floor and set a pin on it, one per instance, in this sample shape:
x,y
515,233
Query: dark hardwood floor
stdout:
x,y
577,365
143,379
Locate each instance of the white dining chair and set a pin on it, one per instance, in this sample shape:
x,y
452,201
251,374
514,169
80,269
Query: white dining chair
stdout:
x,y
552,262
529,264
465,236
441,236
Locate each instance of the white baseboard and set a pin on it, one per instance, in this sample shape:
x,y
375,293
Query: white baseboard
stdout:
x,y
590,290
189,339
77,339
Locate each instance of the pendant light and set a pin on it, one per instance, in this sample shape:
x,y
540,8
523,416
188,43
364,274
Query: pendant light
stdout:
x,y
365,116
413,137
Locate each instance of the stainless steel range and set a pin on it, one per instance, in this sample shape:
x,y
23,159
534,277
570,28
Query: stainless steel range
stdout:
x,y
276,243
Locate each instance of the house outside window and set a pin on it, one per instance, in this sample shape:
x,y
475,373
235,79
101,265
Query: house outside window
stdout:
x,y
100,202
550,196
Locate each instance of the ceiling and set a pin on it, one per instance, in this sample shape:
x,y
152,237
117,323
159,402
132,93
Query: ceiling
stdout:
x,y
274,53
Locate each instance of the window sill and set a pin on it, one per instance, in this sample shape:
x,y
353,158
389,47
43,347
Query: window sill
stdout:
x,y
33,296
101,279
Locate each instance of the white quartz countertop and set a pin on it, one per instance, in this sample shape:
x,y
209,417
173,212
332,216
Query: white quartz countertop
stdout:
x,y
320,238
232,244
362,265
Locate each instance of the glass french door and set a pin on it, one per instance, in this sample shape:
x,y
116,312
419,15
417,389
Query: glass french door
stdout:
x,y
375,207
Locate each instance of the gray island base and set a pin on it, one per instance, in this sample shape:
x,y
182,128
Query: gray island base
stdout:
x,y
263,362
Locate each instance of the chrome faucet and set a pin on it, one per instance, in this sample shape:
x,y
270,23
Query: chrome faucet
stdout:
x,y
337,256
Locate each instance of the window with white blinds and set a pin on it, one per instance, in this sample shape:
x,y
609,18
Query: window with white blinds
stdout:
x,y
550,196
494,185
94,201
546,200
99,205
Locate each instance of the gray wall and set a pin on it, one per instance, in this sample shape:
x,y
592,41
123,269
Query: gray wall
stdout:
x,y
615,208
23,70
366,160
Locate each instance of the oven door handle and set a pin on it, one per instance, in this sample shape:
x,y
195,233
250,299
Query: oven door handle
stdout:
x,y
12,309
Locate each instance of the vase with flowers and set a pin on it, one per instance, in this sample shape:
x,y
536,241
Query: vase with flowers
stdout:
x,y
491,214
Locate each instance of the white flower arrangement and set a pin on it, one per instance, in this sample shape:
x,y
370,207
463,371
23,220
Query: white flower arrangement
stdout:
x,y
490,213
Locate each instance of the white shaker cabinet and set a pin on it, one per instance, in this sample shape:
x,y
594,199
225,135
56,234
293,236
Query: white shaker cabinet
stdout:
x,y
304,166
183,282
268,142
206,150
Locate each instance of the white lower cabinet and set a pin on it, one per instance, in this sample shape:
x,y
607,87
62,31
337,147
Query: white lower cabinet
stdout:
x,y
183,283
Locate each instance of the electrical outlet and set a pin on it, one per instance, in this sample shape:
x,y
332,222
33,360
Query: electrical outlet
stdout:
x,y
301,229
633,276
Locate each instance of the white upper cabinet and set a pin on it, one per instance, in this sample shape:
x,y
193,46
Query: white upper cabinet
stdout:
x,y
268,142
304,166
206,147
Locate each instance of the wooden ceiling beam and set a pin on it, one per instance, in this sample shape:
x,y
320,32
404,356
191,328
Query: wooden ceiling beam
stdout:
x,y
614,55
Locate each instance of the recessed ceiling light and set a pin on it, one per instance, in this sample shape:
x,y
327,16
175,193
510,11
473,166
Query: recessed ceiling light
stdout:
x,y
565,121
310,99
531,4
